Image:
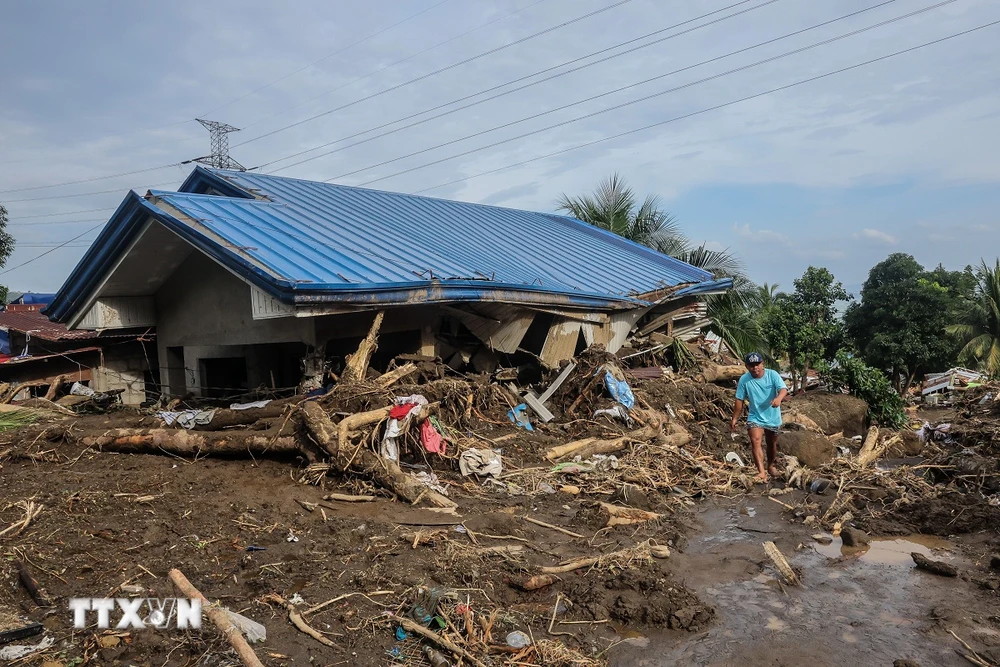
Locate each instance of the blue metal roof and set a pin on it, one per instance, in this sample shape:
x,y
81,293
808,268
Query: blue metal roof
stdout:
x,y
305,242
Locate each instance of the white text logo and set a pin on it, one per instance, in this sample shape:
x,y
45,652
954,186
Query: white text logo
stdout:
x,y
138,613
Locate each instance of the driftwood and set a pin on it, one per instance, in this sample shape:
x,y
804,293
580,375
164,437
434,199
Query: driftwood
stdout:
x,y
869,456
357,364
715,373
225,418
623,516
359,459
536,582
386,380
441,641
56,385
779,562
551,527
296,619
189,443
590,446
36,592
870,441
218,616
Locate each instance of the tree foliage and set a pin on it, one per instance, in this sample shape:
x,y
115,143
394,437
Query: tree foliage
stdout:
x,y
978,328
6,248
803,326
899,324
885,406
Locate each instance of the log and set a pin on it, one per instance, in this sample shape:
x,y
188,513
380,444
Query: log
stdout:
x,y
189,443
219,617
589,446
56,385
225,418
933,566
386,380
296,619
779,562
357,365
559,451
715,373
624,516
534,583
36,592
356,421
868,457
359,459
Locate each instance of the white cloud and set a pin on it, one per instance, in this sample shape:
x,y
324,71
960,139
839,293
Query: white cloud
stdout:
x,y
876,235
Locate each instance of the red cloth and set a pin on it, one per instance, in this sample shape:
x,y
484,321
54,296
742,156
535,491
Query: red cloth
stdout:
x,y
400,411
431,439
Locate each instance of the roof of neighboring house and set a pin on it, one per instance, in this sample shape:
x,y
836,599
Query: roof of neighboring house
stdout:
x,y
306,242
39,326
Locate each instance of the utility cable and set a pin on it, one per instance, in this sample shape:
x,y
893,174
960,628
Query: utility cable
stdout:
x,y
51,250
326,57
578,102
518,80
712,108
436,72
625,104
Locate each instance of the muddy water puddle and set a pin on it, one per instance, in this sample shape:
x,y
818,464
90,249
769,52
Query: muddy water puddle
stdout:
x,y
856,606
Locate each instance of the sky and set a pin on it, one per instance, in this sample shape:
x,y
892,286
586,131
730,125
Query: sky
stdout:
x,y
515,102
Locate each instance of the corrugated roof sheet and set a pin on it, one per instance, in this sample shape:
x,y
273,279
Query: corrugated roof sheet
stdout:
x,y
324,236
41,327
306,242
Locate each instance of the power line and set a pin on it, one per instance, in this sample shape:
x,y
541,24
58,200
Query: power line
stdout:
x,y
624,104
711,108
52,215
90,180
518,80
437,71
83,194
55,222
578,102
398,62
327,57
62,245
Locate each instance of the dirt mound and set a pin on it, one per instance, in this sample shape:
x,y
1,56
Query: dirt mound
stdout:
x,y
811,449
833,413
952,514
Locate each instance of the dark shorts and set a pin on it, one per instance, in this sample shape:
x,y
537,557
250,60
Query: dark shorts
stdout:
x,y
772,429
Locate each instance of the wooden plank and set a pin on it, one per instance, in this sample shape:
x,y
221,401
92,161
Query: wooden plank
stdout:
x,y
560,343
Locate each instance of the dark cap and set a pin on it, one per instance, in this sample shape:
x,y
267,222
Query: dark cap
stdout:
x,y
753,358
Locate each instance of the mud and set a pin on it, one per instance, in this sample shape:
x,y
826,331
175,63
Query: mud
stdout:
x,y
864,606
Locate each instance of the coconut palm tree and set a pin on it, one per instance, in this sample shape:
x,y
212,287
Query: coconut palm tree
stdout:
x,y
614,207
979,330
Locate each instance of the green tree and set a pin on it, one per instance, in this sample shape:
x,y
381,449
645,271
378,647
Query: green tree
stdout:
x,y
899,324
803,326
979,326
6,248
885,406
614,207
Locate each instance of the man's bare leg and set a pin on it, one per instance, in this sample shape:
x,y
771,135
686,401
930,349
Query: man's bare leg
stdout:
x,y
756,436
772,452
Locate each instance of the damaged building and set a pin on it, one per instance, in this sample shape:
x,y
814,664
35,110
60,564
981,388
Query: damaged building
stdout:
x,y
254,281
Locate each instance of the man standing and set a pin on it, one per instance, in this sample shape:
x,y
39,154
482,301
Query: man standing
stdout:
x,y
763,389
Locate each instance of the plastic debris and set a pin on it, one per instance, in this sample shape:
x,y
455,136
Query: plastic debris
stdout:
x,y
296,599
617,412
254,631
480,462
291,536
401,634
518,639
733,457
619,390
249,406
519,416
431,481
253,548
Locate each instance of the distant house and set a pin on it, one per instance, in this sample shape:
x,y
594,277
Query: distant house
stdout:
x,y
249,278
35,351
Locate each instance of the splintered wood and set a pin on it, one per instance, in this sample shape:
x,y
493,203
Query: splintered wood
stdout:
x,y
779,562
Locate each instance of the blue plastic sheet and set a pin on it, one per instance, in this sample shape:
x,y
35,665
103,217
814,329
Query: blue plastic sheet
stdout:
x,y
519,416
619,390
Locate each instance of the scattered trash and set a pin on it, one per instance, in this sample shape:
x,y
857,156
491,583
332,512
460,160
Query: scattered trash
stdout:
x,y
431,481
291,536
431,439
296,599
187,418
520,419
436,658
619,390
518,639
480,462
18,651
733,457
81,390
254,631
249,406
401,634
253,548
546,488
819,485
425,606
617,412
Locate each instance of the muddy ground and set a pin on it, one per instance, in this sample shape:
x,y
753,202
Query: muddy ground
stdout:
x,y
238,530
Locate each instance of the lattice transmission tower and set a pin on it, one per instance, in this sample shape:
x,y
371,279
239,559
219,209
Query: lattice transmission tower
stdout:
x,y
220,146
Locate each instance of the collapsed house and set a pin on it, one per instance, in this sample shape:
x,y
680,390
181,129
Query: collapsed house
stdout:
x,y
941,386
255,281
36,354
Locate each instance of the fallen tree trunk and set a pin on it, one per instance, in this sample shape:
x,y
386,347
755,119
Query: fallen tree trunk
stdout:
x,y
715,373
357,363
359,459
189,443
590,446
225,418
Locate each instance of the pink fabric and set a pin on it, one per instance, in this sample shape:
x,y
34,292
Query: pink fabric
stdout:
x,y
431,439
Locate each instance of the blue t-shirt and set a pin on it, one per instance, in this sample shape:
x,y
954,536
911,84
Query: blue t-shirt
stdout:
x,y
759,394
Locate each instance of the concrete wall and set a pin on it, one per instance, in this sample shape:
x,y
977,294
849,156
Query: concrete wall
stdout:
x,y
207,311
124,367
